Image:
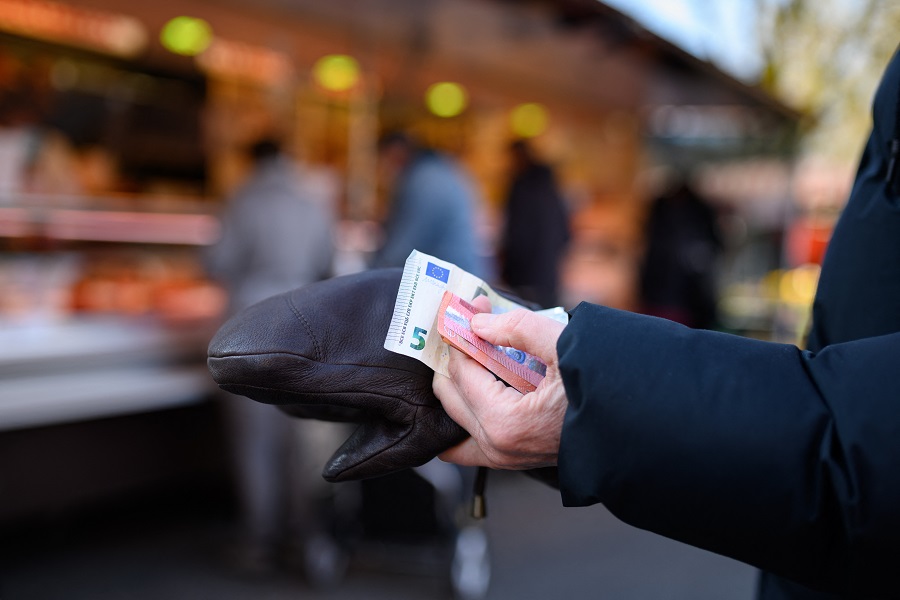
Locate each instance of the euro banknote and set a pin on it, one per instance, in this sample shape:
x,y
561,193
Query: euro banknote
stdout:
x,y
413,329
519,369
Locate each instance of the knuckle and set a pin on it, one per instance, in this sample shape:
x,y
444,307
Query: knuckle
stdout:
x,y
516,317
517,322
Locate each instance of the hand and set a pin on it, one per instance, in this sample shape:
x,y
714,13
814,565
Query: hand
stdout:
x,y
508,430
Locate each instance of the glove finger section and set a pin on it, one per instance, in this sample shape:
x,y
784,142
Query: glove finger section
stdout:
x,y
378,448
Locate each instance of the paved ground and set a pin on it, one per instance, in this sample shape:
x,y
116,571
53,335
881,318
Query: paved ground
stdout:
x,y
539,551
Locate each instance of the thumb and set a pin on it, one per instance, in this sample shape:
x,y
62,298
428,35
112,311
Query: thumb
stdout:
x,y
520,329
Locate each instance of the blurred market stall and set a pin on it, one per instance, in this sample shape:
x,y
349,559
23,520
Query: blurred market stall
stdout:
x,y
125,125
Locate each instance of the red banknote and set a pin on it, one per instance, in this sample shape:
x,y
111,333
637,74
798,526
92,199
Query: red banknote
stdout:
x,y
517,368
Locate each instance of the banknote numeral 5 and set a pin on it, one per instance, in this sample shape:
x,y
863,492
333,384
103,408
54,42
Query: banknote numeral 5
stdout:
x,y
419,335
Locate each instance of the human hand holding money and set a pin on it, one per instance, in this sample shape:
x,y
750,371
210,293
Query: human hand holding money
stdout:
x,y
516,367
413,329
508,430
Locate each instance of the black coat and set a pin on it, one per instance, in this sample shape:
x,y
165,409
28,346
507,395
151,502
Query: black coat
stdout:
x,y
785,459
859,288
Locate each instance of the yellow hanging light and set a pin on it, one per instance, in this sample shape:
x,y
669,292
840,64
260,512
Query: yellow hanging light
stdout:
x,y
446,99
185,35
336,72
528,120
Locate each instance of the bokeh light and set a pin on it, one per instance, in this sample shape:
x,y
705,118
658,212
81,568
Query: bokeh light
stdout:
x,y
528,120
446,99
185,35
336,72
798,286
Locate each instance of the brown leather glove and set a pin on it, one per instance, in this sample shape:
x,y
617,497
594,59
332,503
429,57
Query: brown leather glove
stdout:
x,y
318,353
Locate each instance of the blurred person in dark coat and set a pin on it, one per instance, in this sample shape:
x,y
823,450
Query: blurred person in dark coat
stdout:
x,y
683,244
433,207
275,237
536,229
783,458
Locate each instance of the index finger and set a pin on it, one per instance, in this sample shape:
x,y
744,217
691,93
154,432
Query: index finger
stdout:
x,y
521,329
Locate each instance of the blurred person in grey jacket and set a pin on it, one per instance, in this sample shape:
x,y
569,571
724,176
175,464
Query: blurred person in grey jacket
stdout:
x,y
276,236
433,207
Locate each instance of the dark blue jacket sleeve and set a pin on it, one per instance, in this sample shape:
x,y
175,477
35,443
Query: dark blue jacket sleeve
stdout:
x,y
784,459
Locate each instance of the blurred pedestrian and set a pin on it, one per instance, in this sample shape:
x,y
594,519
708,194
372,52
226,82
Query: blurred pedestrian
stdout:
x,y
275,237
18,142
536,229
34,156
433,207
682,248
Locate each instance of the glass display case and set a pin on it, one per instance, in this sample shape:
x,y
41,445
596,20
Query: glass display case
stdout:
x,y
105,308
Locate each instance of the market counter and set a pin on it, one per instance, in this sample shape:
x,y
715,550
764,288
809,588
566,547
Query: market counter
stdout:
x,y
99,367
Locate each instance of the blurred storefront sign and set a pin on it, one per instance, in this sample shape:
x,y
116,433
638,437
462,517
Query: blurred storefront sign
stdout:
x,y
107,32
722,131
246,62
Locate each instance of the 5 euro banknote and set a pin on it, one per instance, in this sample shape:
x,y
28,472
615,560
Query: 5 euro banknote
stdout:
x,y
414,326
